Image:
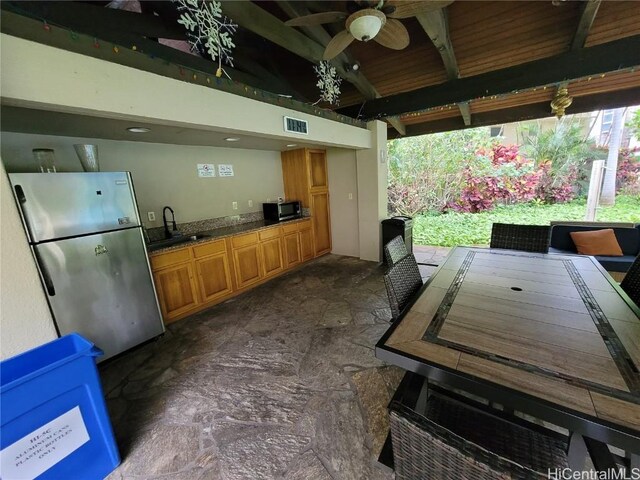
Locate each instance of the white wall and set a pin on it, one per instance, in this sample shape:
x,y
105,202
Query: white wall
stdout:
x,y
372,192
38,76
343,181
165,174
25,319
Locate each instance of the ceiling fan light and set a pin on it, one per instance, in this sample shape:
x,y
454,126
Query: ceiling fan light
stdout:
x,y
365,24
366,27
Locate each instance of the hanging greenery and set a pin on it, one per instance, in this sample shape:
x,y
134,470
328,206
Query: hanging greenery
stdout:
x,y
208,29
328,82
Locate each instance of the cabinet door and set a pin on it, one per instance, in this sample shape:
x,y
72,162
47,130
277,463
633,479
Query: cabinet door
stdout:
x,y
214,278
307,251
246,261
271,256
292,250
321,222
317,170
176,290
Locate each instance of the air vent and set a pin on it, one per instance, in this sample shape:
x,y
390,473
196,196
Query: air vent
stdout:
x,y
295,125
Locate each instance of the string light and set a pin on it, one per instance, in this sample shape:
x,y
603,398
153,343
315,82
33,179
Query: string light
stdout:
x,y
324,113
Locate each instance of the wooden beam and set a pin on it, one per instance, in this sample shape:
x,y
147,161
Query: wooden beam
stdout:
x,y
607,57
465,111
436,25
77,15
630,96
320,35
589,9
21,26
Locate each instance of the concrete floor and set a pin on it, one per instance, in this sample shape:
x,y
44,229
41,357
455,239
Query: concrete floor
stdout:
x,y
280,382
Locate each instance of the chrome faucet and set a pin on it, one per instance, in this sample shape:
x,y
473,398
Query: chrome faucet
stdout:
x,y
167,232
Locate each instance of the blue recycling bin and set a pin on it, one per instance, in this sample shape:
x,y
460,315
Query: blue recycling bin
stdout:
x,y
53,418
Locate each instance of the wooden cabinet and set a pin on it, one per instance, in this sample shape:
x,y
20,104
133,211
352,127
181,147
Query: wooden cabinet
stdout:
x,y
271,251
176,290
298,243
193,278
304,172
292,255
214,278
321,222
246,262
307,250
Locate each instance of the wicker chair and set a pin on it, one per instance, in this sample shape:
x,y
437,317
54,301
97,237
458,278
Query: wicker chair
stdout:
x,y
631,282
402,281
453,441
394,251
528,238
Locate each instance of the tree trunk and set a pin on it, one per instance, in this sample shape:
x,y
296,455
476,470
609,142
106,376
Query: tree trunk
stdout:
x,y
608,195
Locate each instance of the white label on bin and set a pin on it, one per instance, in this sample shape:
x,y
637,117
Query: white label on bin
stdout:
x,y
37,452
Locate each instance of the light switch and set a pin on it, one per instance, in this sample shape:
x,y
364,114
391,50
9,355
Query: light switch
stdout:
x,y
351,196
250,203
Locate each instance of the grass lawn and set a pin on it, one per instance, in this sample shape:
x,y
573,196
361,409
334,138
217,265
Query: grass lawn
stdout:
x,y
451,229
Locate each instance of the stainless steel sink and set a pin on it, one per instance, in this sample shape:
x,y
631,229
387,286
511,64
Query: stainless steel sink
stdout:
x,y
168,242
199,236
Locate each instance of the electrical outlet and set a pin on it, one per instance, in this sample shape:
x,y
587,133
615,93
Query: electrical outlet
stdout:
x,y
268,200
351,196
151,216
250,203
234,205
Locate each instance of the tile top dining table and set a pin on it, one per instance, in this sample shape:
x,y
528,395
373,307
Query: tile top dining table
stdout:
x,y
549,335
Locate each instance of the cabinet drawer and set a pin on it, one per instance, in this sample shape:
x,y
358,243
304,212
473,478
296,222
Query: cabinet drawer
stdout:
x,y
162,260
269,233
244,240
304,225
209,248
291,227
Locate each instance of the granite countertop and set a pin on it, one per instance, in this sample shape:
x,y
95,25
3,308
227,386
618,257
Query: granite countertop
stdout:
x,y
222,232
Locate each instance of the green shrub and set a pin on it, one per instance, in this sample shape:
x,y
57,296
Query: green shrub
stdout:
x,y
454,228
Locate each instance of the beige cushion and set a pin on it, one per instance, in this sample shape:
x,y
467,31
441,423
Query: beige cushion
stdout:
x,y
597,242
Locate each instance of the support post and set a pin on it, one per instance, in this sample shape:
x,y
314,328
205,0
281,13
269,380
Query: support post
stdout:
x,y
595,185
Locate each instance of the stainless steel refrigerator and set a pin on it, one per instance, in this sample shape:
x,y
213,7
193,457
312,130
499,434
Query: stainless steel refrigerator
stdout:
x,y
87,239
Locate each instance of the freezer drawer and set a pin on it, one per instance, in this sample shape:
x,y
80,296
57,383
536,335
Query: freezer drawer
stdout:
x,y
100,286
59,205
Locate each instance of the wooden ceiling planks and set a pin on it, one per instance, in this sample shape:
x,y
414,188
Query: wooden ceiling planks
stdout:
x,y
393,71
492,35
615,19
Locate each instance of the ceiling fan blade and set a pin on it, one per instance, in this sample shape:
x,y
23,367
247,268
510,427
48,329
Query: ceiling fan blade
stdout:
x,y
405,9
393,35
337,44
316,19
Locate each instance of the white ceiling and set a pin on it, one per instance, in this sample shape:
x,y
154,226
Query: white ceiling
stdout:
x,y
27,120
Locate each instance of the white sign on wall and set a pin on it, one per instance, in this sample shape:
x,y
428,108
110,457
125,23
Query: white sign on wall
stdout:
x,y
225,170
206,170
41,449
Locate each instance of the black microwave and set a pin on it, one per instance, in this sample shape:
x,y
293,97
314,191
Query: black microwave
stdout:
x,y
277,212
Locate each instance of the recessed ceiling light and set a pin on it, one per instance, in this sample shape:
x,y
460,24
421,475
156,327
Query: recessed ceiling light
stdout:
x,y
138,130
232,139
292,144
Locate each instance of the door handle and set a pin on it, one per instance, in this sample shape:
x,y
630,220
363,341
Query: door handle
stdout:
x,y
22,199
46,277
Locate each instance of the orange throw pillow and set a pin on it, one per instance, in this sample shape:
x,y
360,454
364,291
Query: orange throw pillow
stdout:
x,y
597,242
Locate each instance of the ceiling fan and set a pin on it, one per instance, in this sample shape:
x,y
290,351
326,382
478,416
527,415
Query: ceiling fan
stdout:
x,y
378,21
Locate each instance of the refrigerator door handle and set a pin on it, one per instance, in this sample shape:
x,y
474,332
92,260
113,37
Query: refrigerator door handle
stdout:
x,y
22,199
46,277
